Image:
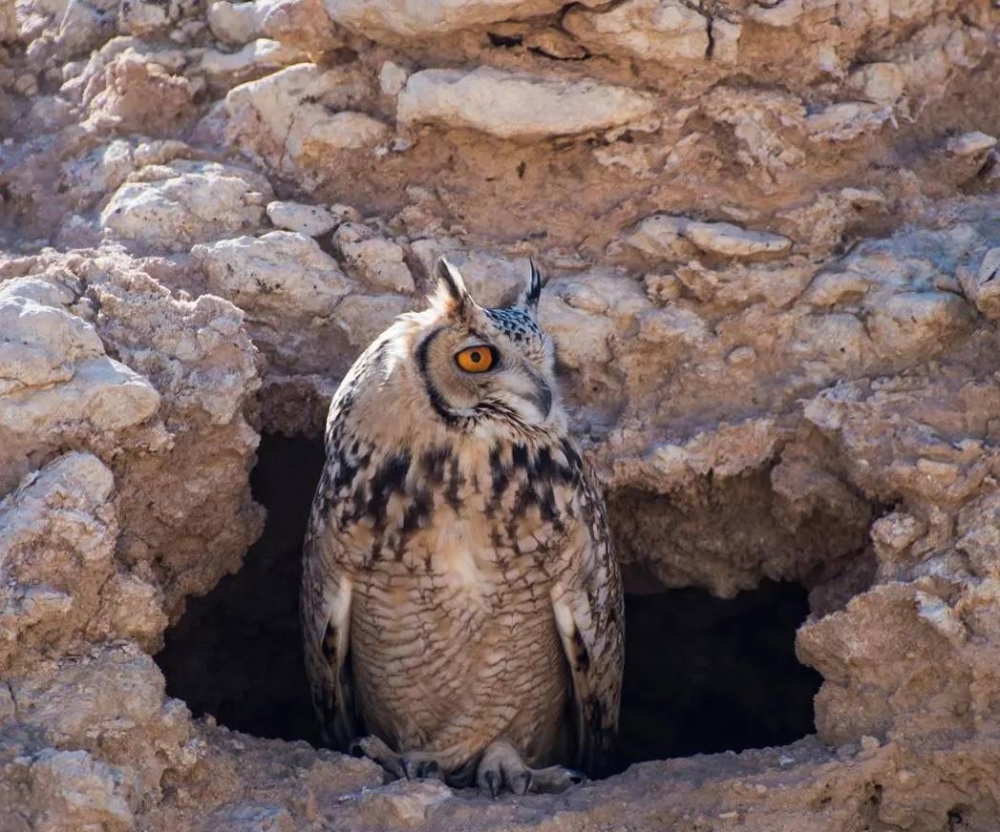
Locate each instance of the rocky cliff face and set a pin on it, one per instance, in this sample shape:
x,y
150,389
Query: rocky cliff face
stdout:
x,y
771,230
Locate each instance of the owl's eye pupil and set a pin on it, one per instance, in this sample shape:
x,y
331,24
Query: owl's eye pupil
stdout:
x,y
476,359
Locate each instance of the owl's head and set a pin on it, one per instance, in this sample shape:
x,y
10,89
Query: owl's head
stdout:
x,y
480,365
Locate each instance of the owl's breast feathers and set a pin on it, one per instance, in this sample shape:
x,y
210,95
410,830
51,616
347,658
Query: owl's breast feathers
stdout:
x,y
521,497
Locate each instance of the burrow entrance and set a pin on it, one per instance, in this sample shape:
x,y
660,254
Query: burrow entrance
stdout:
x,y
702,675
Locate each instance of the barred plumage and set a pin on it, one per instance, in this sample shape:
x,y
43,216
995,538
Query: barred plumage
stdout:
x,y
461,602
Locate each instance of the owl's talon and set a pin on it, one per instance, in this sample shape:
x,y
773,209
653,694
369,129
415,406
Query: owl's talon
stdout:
x,y
493,783
520,783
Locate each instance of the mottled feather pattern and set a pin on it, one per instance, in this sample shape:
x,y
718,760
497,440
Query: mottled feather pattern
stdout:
x,y
459,586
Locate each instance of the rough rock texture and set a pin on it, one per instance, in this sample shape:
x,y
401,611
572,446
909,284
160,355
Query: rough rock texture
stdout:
x,y
771,234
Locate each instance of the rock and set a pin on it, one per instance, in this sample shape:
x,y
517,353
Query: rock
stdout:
x,y
725,40
143,19
673,237
172,207
556,43
880,83
56,370
299,116
774,317
782,14
983,288
391,79
256,57
236,23
134,93
913,323
54,604
8,22
971,144
279,273
654,30
83,27
310,220
732,241
397,19
672,326
847,121
70,789
299,24
516,105
379,261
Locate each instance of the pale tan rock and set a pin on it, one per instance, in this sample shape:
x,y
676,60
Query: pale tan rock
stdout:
x,y
825,414
175,206
256,57
981,288
971,144
910,323
782,14
664,235
279,273
392,78
311,220
143,18
299,116
300,24
847,121
395,19
516,105
379,261
654,30
880,83
732,241
8,21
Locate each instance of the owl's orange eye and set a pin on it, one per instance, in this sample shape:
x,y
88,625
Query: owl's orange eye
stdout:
x,y
476,359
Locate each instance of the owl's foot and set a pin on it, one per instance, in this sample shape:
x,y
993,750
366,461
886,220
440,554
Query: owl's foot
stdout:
x,y
410,765
502,767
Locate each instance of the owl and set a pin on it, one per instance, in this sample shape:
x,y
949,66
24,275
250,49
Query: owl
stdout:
x,y
461,604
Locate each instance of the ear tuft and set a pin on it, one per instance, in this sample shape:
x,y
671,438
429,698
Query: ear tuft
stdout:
x,y
451,295
532,289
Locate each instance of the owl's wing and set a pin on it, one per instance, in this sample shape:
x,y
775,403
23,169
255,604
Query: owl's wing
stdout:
x,y
589,613
326,619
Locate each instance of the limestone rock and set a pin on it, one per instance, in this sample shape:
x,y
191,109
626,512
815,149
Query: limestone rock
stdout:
x,y
299,24
300,116
280,273
664,235
516,105
395,19
379,261
983,288
256,58
970,144
769,232
172,207
654,30
311,220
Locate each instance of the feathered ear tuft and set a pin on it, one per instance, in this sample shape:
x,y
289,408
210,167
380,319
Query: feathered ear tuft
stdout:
x,y
528,299
451,295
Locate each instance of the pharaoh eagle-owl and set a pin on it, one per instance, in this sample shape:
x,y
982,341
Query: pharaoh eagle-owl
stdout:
x,y
461,604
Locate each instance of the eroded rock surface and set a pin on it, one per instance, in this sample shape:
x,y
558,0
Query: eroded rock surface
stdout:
x,y
770,232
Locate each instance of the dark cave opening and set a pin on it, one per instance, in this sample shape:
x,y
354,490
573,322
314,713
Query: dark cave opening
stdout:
x,y
702,674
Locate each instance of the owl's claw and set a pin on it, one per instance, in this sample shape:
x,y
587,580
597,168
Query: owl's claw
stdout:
x,y
501,766
493,783
410,765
